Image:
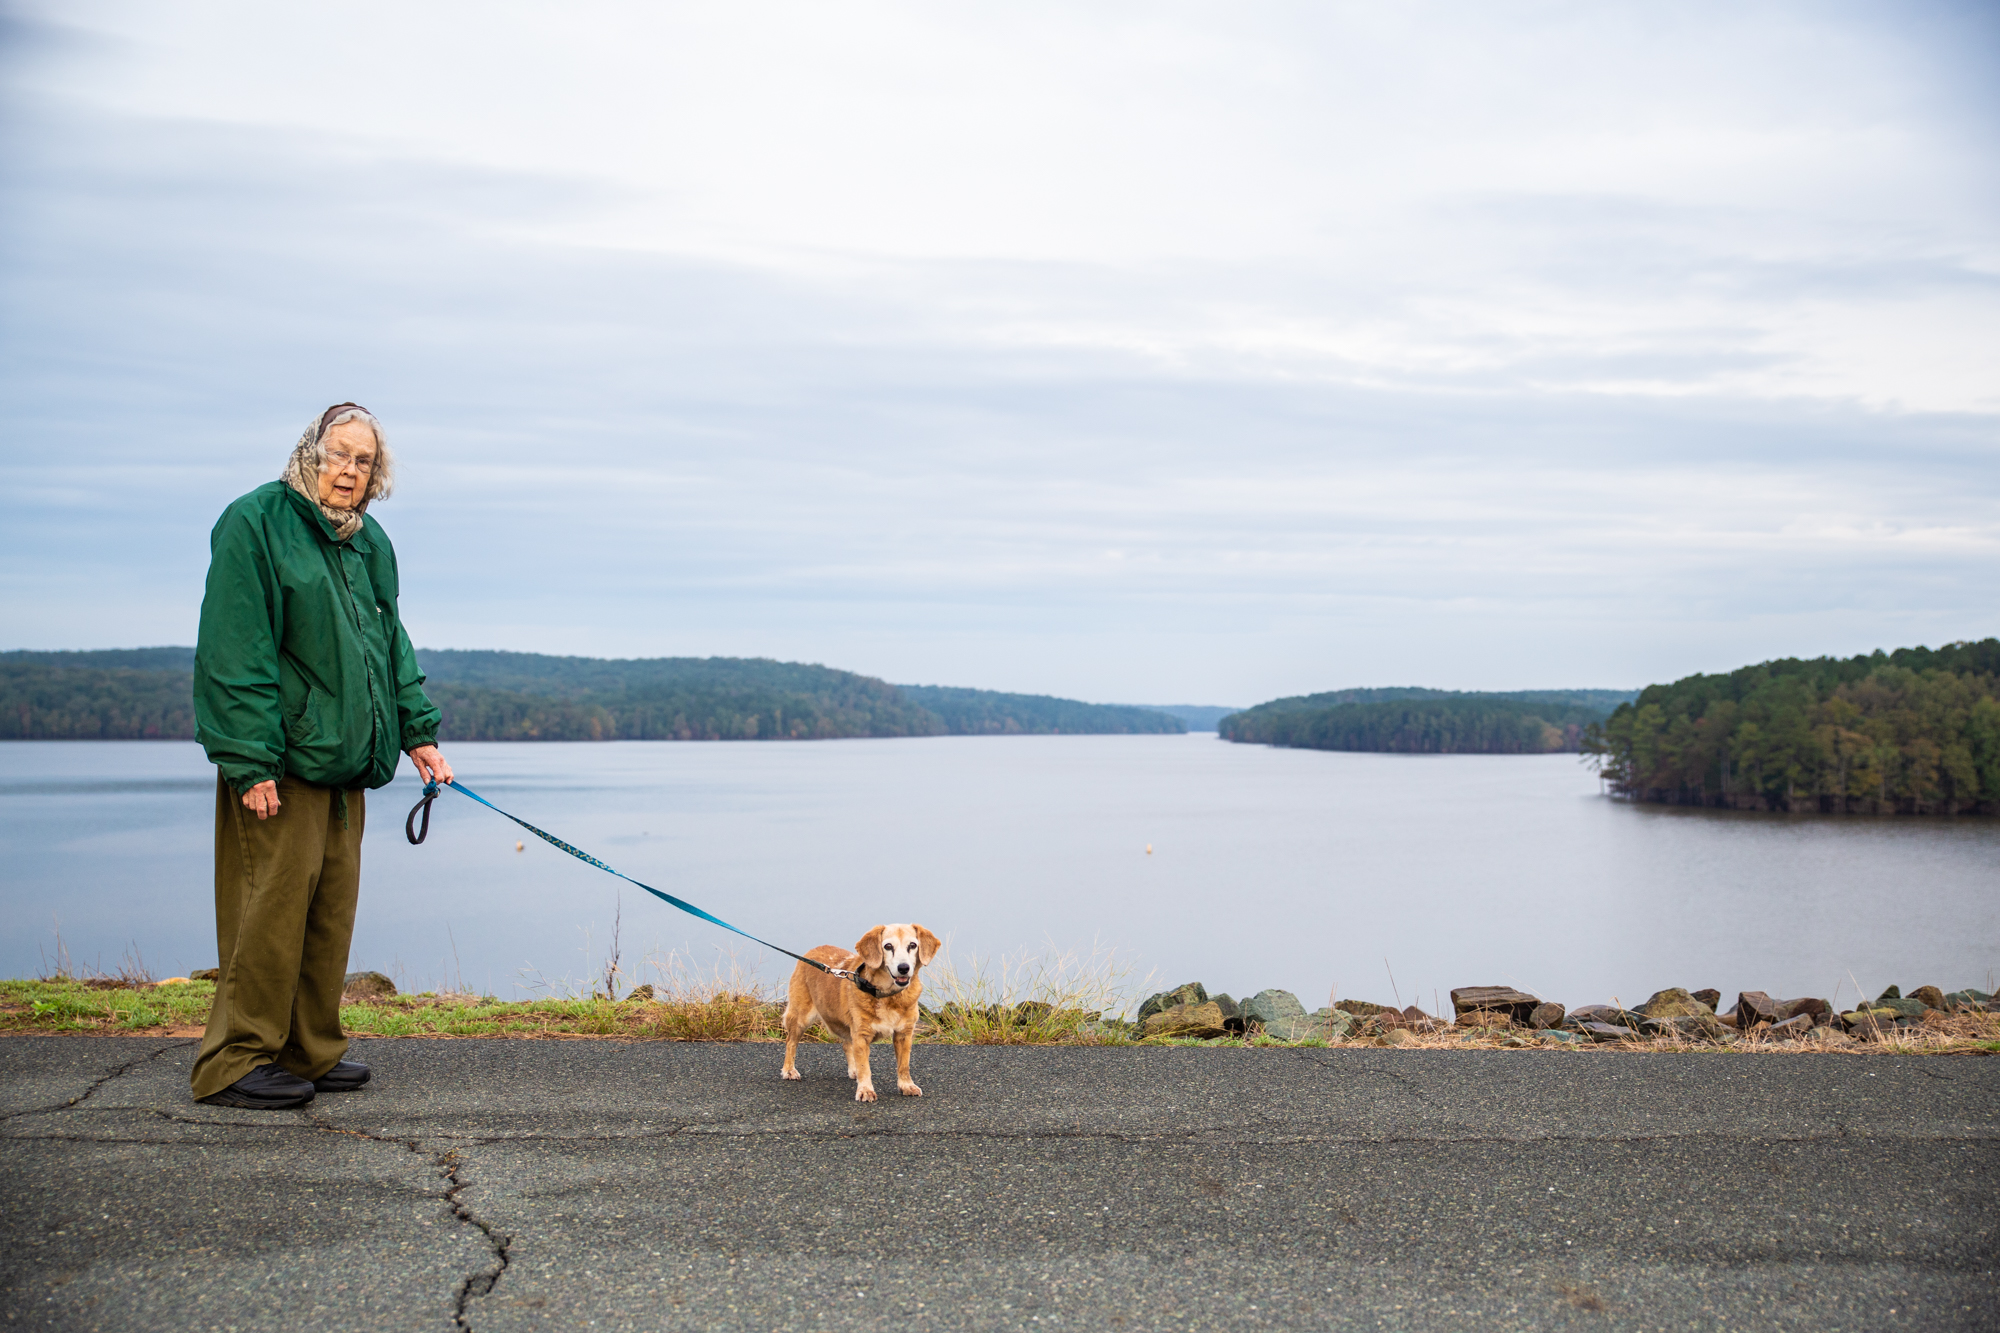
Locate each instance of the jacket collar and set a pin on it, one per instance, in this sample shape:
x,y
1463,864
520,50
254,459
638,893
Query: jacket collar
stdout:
x,y
359,541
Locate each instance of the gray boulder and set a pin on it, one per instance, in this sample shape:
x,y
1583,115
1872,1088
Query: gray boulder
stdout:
x,y
1271,1006
1546,1015
1603,1031
1605,1013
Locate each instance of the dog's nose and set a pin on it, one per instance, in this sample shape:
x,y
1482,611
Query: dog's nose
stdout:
x,y
902,969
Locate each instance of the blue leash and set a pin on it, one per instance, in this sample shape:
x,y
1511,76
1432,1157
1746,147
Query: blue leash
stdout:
x,y
417,835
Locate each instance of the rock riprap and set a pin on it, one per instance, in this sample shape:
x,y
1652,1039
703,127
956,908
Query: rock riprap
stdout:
x,y
1189,1011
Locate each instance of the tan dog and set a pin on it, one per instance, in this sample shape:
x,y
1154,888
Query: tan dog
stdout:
x,y
880,1001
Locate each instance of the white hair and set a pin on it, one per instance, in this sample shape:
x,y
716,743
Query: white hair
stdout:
x,y
381,480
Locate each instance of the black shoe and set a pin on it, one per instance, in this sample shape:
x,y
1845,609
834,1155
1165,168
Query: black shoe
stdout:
x,y
265,1088
343,1077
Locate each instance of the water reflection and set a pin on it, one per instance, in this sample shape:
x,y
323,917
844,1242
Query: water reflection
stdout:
x,y
1374,876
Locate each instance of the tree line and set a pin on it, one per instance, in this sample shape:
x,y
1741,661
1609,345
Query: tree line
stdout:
x,y
1915,731
70,703
146,694
991,713
1412,720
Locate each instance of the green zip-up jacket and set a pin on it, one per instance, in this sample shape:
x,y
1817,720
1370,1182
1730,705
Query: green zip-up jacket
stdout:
x,y
303,665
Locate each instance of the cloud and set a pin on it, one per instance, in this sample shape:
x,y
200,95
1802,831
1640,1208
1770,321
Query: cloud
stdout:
x,y
1103,352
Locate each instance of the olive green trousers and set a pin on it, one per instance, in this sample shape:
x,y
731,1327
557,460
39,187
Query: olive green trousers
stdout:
x,y
285,891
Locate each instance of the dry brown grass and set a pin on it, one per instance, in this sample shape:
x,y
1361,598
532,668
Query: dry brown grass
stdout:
x,y
1051,999
723,1004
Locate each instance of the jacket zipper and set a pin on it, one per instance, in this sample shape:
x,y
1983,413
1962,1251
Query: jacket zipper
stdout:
x,y
340,554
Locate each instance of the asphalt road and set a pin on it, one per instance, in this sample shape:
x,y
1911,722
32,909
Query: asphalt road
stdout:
x,y
515,1185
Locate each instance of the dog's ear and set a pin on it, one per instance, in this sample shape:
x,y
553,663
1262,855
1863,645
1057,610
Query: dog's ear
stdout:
x,y
927,943
869,946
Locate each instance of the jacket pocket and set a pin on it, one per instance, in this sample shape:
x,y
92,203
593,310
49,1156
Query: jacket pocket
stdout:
x,y
311,721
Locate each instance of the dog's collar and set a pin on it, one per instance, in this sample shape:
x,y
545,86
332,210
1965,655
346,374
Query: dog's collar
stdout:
x,y
868,988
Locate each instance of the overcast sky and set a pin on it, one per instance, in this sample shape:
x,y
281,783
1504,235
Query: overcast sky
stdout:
x,y
1149,351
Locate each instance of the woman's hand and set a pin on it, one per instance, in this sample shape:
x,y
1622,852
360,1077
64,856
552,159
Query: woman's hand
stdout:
x,y
263,798
431,765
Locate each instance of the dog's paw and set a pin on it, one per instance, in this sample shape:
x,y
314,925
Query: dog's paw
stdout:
x,y
865,1093
790,1073
909,1089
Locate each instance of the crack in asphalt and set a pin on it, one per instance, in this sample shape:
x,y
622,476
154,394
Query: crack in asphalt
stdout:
x,y
448,1163
1402,1081
91,1091
482,1282
448,1166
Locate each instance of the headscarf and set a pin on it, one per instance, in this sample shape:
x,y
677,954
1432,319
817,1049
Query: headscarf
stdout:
x,y
302,470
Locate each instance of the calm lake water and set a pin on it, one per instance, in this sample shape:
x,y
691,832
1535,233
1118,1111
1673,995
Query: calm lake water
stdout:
x,y
1316,872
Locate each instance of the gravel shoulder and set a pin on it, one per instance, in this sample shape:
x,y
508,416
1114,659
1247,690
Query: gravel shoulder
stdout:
x,y
499,1185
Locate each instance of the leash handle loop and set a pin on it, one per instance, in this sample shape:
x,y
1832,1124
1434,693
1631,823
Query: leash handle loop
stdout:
x,y
410,830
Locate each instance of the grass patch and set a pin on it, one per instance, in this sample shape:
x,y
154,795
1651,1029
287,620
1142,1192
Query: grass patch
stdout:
x,y
63,1004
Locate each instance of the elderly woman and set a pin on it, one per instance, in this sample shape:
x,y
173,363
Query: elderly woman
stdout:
x,y
305,691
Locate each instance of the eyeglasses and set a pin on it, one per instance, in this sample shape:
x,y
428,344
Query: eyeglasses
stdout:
x,y
340,460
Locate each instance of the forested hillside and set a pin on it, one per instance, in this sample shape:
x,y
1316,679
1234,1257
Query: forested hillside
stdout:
x,y
1411,720
68,702
1916,731
494,696
145,693
989,713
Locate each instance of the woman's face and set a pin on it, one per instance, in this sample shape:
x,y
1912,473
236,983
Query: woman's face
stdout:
x,y
349,461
